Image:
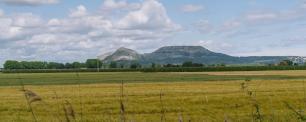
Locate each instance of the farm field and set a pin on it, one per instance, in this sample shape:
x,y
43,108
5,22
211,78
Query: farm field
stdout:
x,y
152,97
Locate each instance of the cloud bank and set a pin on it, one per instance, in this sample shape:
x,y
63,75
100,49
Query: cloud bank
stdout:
x,y
29,2
83,34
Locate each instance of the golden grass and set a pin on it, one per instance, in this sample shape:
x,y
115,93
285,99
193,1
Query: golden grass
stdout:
x,y
194,101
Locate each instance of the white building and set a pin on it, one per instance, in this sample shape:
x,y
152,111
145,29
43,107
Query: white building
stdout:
x,y
298,60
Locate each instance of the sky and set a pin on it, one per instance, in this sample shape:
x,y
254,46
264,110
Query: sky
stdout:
x,y
75,30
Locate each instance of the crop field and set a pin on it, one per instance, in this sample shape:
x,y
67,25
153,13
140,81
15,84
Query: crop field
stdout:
x,y
262,96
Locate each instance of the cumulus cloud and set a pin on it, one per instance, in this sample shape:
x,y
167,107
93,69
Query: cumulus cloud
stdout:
x,y
109,5
79,11
7,30
83,34
29,2
191,8
27,20
151,16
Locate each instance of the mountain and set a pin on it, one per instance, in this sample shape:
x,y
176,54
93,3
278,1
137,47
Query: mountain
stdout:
x,y
123,54
180,54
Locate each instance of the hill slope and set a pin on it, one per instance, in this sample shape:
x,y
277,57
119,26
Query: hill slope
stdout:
x,y
180,54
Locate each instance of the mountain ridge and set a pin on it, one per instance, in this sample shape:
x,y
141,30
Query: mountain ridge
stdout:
x,y
180,54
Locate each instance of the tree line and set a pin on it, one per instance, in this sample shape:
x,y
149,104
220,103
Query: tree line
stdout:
x,y
12,64
95,63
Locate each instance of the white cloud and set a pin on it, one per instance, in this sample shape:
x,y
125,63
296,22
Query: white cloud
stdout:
x,y
83,34
192,8
151,16
29,2
110,5
261,16
79,11
27,20
7,30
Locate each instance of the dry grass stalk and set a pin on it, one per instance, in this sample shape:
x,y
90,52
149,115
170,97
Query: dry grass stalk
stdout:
x,y
163,116
297,113
122,108
69,111
257,114
243,86
181,118
79,93
31,97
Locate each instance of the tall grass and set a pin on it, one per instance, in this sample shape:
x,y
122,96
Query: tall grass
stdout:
x,y
249,99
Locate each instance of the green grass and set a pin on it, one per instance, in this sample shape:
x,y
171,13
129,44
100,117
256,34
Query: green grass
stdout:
x,y
131,77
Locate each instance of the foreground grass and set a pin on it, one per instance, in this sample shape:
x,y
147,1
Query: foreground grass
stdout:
x,y
196,101
226,100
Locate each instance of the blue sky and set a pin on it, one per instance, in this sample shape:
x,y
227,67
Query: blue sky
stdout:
x,y
74,30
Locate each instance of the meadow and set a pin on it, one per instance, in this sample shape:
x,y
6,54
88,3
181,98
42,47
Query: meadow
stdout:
x,y
262,96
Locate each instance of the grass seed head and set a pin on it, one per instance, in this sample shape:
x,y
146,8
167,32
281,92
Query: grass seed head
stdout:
x,y
32,97
68,109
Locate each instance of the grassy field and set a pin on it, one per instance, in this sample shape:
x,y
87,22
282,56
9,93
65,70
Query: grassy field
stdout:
x,y
138,77
153,97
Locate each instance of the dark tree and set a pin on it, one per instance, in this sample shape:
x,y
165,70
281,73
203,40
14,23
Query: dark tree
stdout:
x,y
93,63
286,63
54,65
78,65
113,64
187,64
135,66
68,66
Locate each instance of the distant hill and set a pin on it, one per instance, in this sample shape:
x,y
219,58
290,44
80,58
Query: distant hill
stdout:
x,y
122,54
180,54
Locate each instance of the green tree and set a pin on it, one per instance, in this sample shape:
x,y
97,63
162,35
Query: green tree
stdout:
x,y
113,64
187,64
93,63
11,64
153,65
135,66
54,65
77,65
68,66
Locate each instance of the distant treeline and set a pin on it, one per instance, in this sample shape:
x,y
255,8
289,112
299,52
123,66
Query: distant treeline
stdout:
x,y
90,63
94,65
228,68
163,69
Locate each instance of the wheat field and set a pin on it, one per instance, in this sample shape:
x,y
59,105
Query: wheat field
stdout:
x,y
190,100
